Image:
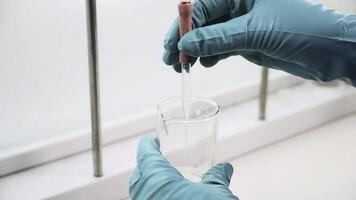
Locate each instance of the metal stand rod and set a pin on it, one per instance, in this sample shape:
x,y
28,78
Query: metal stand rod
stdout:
x,y
94,87
263,94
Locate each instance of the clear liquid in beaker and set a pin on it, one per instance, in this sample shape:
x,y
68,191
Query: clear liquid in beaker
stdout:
x,y
188,141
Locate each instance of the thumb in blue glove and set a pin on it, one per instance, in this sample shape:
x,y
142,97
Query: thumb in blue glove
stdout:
x,y
154,178
296,36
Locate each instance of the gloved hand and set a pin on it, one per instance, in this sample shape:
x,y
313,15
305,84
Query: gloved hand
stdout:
x,y
295,36
155,179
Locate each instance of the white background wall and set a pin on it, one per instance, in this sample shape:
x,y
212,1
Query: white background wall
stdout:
x,y
43,65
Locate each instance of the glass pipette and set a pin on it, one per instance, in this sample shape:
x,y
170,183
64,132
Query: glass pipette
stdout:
x,y
185,9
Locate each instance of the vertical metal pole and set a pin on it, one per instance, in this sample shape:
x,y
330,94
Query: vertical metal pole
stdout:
x,y
263,94
94,87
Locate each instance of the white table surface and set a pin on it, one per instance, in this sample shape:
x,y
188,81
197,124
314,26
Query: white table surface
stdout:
x,y
317,165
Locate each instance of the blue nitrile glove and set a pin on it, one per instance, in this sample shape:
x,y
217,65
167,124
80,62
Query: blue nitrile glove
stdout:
x,y
295,36
155,179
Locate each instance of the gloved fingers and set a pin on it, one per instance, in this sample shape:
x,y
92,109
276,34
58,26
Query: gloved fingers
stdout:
x,y
177,68
153,171
213,60
203,13
172,37
219,174
287,66
216,39
150,159
135,177
254,57
208,11
172,59
148,153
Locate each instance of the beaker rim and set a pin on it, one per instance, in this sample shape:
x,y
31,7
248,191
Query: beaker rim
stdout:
x,y
190,120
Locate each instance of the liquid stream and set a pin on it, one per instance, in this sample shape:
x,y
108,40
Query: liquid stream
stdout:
x,y
186,92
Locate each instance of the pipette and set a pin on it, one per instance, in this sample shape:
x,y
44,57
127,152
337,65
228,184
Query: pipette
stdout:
x,y
185,9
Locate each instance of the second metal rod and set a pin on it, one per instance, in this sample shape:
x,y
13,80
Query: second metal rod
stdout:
x,y
263,94
94,87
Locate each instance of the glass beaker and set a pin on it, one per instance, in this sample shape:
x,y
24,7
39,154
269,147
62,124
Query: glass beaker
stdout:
x,y
187,129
